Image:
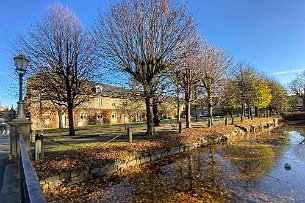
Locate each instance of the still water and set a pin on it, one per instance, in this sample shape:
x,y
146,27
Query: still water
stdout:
x,y
245,169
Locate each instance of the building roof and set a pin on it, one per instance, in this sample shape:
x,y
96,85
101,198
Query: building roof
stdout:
x,y
114,91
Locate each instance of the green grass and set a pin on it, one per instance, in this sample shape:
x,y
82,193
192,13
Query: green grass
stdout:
x,y
80,134
80,128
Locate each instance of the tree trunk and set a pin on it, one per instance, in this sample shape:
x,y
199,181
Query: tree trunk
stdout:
x,y
249,112
149,115
178,112
210,111
243,110
256,112
178,106
210,106
232,112
71,121
156,114
188,113
196,113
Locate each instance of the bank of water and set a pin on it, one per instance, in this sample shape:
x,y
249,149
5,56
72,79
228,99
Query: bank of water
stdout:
x,y
253,168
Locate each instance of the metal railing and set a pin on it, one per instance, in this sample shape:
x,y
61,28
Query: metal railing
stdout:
x,y
31,191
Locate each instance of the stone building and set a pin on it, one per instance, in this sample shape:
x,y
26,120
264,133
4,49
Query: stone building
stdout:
x,y
7,114
107,105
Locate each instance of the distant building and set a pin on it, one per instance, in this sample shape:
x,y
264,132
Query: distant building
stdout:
x,y
107,105
7,114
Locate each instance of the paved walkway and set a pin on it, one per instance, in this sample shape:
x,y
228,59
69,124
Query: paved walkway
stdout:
x,y
4,152
9,175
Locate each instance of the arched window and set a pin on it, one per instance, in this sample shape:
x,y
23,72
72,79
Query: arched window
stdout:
x,y
83,116
99,116
99,101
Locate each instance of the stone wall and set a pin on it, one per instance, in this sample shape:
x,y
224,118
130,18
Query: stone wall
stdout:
x,y
259,127
69,178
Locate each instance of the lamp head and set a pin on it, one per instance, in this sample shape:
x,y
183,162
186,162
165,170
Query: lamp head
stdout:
x,y
21,62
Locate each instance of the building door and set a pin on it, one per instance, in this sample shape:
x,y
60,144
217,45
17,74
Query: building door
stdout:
x,y
63,120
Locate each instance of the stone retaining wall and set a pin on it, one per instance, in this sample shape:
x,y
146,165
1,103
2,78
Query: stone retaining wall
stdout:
x,y
260,127
69,178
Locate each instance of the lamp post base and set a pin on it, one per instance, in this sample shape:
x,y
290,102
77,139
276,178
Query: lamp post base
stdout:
x,y
22,126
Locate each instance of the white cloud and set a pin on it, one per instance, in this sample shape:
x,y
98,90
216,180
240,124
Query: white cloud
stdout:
x,y
288,72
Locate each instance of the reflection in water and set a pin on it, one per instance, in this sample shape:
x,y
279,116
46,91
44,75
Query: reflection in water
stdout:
x,y
246,169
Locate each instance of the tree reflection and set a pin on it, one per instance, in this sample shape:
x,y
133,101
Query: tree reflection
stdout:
x,y
251,160
212,174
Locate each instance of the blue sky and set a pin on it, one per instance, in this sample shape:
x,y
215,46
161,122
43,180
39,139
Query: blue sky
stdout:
x,y
269,34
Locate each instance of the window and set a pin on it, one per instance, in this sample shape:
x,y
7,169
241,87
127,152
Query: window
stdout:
x,y
99,116
82,116
47,121
98,89
99,101
113,103
113,115
48,113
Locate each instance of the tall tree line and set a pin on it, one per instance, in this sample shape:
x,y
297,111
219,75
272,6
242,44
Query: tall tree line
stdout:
x,y
152,42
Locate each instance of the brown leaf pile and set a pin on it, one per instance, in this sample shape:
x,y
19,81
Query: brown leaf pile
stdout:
x,y
96,154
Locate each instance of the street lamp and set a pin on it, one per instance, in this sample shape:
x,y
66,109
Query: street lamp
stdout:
x,y
21,62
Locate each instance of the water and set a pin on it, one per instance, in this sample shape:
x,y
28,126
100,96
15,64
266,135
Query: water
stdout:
x,y
245,169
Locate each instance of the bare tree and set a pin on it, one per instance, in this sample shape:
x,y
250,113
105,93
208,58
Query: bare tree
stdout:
x,y
297,87
214,63
144,38
188,77
62,59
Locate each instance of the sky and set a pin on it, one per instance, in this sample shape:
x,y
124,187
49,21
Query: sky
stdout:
x,y
268,34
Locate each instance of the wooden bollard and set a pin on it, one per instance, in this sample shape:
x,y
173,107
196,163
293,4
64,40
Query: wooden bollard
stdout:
x,y
180,127
209,122
226,120
129,132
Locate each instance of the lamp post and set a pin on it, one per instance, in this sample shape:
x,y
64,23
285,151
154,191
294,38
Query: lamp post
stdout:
x,y
21,63
21,125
